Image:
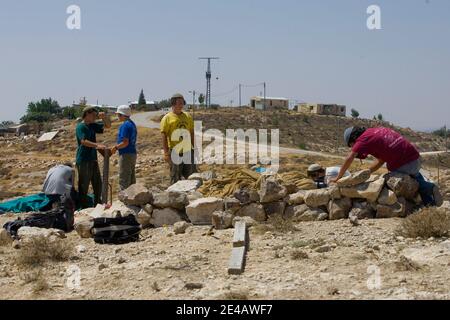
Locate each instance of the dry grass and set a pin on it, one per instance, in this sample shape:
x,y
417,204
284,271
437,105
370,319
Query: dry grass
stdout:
x,y
37,279
39,250
276,223
430,222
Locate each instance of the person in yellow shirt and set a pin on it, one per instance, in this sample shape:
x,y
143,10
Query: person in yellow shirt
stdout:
x,y
177,133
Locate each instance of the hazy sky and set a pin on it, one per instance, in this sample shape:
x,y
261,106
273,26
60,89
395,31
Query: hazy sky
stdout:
x,y
306,50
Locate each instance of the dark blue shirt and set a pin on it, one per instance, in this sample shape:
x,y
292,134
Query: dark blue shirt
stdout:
x,y
128,131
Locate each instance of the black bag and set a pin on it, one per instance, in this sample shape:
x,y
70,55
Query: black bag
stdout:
x,y
116,230
57,219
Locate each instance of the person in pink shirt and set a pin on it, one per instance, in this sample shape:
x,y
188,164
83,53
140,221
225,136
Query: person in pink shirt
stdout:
x,y
389,147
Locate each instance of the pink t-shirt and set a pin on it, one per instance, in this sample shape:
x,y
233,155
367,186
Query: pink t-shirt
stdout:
x,y
387,145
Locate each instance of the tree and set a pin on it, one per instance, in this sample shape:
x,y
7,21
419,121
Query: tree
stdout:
x,y
380,117
355,113
142,101
442,132
7,123
72,113
42,111
201,99
164,104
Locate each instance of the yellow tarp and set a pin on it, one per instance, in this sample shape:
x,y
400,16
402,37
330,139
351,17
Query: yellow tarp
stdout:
x,y
246,178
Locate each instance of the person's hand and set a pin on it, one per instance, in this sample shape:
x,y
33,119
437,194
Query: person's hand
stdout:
x,y
101,147
334,180
101,115
167,158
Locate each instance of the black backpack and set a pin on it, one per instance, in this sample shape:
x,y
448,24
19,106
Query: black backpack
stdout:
x,y
56,219
62,218
116,230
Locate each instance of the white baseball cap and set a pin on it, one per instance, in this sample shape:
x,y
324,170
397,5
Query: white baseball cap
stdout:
x,y
124,110
314,167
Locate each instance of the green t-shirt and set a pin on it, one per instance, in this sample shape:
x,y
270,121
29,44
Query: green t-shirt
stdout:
x,y
87,132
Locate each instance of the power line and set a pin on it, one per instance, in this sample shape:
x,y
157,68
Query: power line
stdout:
x,y
226,93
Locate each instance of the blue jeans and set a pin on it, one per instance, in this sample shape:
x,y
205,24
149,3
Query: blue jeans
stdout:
x,y
425,187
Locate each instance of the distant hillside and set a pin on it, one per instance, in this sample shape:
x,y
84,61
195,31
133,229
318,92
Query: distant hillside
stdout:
x,y
311,132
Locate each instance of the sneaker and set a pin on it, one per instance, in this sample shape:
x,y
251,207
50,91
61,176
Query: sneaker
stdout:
x,y
437,196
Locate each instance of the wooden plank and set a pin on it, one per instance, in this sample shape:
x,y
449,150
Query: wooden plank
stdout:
x,y
240,234
236,265
105,184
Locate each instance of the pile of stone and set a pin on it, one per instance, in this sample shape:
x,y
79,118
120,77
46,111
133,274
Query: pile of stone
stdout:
x,y
358,196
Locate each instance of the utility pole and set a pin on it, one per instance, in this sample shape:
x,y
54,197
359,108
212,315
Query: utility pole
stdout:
x,y
446,136
208,80
193,102
265,107
240,100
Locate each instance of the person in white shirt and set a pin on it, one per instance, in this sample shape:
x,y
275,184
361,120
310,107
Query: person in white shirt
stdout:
x,y
322,176
59,181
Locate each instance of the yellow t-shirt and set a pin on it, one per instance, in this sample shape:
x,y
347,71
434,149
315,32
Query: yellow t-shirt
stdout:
x,y
172,122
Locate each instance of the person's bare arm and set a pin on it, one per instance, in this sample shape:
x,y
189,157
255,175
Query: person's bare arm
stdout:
x,y
165,144
106,120
377,165
91,144
348,162
125,143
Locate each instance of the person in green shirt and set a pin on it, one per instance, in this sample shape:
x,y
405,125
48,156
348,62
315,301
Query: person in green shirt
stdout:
x,y
86,159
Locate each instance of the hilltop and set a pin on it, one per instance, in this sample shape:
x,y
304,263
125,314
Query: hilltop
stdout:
x,y
306,131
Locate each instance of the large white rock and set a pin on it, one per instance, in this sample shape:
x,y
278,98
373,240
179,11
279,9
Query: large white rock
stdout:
x,y
317,198
83,227
275,208
387,197
271,191
117,209
232,204
339,208
369,191
254,211
185,186
354,179
297,198
246,196
165,217
403,185
312,214
398,210
144,218
29,233
222,220
200,211
170,199
136,195
181,227
362,210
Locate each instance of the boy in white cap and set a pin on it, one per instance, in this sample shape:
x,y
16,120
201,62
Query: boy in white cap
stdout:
x,y
126,145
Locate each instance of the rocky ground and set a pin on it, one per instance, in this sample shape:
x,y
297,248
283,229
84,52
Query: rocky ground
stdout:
x,y
321,260
304,260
